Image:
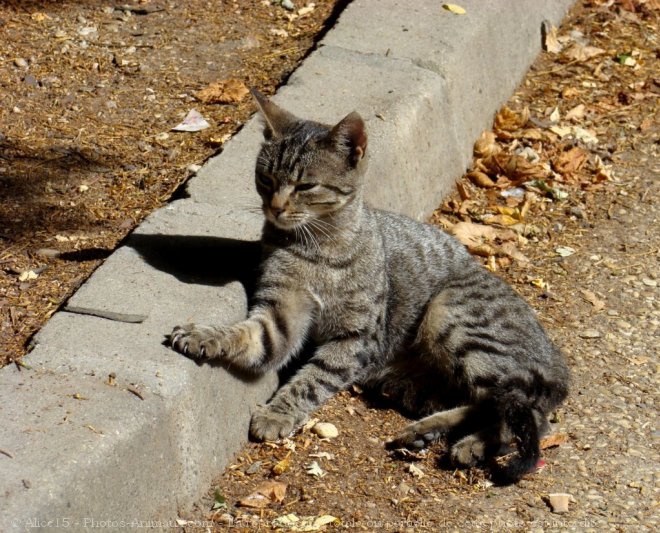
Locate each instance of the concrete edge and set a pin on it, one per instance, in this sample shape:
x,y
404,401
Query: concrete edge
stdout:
x,y
110,455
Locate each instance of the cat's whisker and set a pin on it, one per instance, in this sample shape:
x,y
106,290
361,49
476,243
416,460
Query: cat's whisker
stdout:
x,y
333,227
312,238
313,224
332,232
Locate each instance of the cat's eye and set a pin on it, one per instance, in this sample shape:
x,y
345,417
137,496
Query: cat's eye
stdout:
x,y
305,186
264,181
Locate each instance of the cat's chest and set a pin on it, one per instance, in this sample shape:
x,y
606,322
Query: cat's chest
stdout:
x,y
325,277
334,287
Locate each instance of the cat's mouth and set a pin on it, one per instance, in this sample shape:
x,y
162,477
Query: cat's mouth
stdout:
x,y
284,220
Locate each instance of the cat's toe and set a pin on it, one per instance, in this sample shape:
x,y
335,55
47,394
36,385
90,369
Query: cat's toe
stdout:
x,y
407,439
196,342
411,439
468,451
268,425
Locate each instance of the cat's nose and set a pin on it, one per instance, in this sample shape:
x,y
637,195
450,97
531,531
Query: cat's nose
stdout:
x,y
277,211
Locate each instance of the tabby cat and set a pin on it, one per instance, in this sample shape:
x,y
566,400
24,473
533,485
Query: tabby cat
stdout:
x,y
388,303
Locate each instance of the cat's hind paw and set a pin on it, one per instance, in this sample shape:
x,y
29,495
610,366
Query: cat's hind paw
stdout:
x,y
196,342
269,425
468,451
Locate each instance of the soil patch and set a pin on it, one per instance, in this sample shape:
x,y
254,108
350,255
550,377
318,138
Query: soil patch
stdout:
x,y
91,91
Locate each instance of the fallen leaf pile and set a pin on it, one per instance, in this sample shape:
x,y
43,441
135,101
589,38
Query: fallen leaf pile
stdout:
x,y
536,161
521,167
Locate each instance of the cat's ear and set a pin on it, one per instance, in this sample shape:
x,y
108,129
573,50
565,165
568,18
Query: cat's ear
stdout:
x,y
277,120
350,136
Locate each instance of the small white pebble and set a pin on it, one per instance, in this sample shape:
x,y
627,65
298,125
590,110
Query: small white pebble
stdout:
x,y
559,502
325,430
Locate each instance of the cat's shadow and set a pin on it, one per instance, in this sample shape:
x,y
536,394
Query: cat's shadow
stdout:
x,y
201,260
213,261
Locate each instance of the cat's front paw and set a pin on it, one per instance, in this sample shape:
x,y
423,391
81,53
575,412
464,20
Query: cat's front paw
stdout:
x,y
406,439
196,342
269,425
410,438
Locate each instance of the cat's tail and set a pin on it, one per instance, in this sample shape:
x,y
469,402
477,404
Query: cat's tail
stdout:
x,y
516,411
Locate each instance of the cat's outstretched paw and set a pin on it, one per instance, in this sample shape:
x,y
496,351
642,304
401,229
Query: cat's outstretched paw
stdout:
x,y
411,439
196,342
268,425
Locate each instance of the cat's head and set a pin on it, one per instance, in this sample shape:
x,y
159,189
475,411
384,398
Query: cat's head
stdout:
x,y
306,170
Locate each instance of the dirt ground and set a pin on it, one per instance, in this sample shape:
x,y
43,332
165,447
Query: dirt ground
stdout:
x,y
562,201
90,93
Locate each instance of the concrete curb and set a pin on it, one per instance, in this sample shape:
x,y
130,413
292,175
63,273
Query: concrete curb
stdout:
x,y
85,452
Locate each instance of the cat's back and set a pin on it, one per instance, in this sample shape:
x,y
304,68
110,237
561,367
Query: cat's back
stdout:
x,y
418,251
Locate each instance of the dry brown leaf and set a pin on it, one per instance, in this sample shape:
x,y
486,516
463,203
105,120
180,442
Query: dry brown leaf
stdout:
x,y
292,522
570,92
508,120
467,206
553,440
229,91
580,52
480,179
485,146
463,191
501,220
539,283
555,116
265,494
570,161
472,234
516,168
512,212
550,42
416,471
590,297
443,221
576,113
454,8
485,240
482,250
510,249
281,467
40,17
525,207
533,134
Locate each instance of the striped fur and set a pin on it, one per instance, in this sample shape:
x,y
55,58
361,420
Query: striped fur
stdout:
x,y
389,303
